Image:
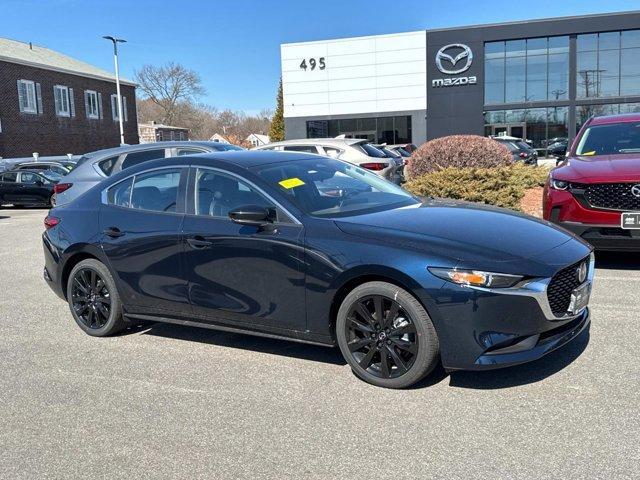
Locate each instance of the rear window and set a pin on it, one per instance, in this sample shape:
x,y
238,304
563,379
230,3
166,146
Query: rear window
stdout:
x,y
370,150
9,177
301,148
613,139
138,157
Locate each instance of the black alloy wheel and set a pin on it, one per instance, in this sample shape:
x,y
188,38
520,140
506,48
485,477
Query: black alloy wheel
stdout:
x,y
91,298
381,336
94,300
386,336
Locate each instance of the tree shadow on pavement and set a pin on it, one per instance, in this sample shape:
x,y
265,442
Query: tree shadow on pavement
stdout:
x,y
526,373
253,343
618,260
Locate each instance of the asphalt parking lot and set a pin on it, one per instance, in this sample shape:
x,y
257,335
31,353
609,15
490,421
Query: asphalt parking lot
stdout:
x,y
178,402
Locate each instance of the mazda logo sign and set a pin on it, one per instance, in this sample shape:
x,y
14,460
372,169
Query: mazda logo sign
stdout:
x,y
464,58
635,190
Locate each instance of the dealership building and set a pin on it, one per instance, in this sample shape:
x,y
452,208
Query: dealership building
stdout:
x,y
539,80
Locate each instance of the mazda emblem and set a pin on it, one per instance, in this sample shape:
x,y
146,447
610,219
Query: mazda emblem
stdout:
x,y
582,272
466,54
635,190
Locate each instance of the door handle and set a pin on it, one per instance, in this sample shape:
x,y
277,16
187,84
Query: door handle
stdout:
x,y
199,243
113,232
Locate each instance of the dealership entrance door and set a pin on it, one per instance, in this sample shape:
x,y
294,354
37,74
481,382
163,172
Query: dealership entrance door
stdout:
x,y
518,130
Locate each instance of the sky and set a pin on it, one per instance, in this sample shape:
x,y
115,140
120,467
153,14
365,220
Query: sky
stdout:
x,y
235,44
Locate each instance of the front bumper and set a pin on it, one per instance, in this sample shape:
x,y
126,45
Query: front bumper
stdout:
x,y
605,237
482,328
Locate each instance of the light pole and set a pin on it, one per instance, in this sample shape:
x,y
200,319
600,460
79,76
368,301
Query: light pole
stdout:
x,y
119,98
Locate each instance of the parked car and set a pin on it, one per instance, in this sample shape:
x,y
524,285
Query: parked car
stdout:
x,y
404,153
521,151
358,151
408,147
27,187
57,167
248,242
596,192
94,167
399,159
558,149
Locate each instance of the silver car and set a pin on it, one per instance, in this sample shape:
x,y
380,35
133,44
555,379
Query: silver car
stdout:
x,y
358,151
94,167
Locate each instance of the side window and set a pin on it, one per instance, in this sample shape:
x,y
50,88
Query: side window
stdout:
x,y
10,177
120,194
188,151
217,194
332,152
29,178
107,165
138,157
156,191
301,148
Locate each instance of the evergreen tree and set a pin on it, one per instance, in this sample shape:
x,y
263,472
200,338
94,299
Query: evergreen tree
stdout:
x,y
276,132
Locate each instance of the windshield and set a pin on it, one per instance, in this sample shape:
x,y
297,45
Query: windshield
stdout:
x,y
610,139
331,188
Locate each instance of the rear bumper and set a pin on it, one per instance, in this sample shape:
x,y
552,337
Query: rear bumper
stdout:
x,y
52,272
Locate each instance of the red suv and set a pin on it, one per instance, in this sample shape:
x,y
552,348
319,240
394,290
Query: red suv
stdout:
x,y
595,193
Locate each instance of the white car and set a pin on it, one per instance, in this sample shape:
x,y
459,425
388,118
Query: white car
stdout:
x,y
358,151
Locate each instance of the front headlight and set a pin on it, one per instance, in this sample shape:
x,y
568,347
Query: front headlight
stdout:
x,y
559,184
476,278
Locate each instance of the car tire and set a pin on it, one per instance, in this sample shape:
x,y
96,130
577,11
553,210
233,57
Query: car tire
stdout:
x,y
93,299
409,342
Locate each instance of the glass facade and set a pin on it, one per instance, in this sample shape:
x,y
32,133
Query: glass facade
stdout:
x,y
390,130
608,64
529,70
607,68
542,124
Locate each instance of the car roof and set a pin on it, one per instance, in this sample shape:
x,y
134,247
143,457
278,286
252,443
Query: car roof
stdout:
x,y
337,142
44,162
609,119
148,146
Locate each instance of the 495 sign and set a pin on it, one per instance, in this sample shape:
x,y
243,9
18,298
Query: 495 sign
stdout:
x,y
320,64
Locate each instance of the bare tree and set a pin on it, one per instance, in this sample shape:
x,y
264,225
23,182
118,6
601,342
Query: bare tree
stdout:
x,y
170,87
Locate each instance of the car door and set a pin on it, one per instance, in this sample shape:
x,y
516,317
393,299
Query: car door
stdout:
x,y
8,187
33,188
141,221
244,275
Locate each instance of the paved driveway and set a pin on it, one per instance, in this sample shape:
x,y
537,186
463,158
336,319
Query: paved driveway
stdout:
x,y
177,402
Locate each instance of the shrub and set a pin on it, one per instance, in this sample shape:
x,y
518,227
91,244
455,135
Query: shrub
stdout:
x,y
457,151
502,186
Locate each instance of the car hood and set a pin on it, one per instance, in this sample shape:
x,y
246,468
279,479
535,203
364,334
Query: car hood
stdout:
x,y
467,232
605,168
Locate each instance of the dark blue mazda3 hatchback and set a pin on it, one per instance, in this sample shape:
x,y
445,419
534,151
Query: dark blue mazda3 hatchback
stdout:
x,y
316,250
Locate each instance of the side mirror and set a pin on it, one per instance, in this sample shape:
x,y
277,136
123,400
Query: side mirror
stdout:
x,y
251,215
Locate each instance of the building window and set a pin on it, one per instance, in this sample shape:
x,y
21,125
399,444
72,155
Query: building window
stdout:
x,y
584,112
608,64
61,100
390,130
114,108
92,104
27,96
529,70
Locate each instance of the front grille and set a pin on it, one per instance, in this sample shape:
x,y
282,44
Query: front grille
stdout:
x,y
559,290
613,196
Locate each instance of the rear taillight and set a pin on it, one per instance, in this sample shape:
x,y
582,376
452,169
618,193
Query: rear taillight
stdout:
x,y
523,155
50,222
61,187
374,166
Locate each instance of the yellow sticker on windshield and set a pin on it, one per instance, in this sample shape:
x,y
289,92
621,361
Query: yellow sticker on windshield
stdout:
x,y
291,182
592,152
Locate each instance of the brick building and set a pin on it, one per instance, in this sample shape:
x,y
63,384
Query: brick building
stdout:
x,y
53,104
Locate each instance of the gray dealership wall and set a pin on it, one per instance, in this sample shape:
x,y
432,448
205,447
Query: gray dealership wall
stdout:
x,y
296,127
459,109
